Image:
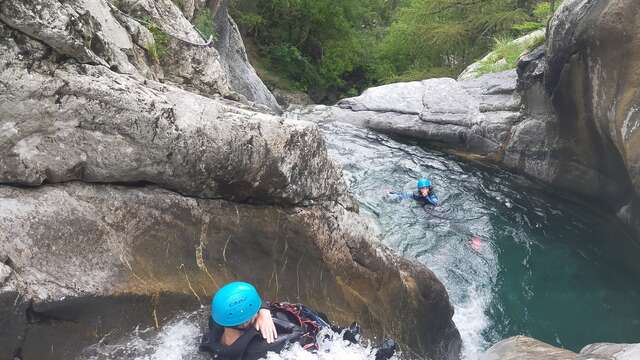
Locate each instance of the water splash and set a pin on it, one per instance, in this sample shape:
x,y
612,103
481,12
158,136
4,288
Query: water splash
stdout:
x,y
179,340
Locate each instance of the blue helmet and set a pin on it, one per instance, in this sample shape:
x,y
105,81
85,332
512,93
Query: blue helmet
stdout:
x,y
235,304
422,183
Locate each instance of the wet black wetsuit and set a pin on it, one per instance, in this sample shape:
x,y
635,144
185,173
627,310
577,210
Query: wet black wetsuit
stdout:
x,y
251,345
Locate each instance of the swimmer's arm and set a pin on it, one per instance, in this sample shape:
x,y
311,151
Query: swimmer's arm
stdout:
x,y
401,195
264,324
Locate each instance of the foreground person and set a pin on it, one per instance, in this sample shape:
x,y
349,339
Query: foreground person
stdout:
x,y
425,193
241,328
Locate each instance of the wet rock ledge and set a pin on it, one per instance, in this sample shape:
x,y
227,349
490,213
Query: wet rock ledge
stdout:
x,y
131,187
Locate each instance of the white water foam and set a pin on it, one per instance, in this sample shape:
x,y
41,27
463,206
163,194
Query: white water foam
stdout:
x,y
179,340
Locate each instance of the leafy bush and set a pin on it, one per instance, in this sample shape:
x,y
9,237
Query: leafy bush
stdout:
x,y
203,21
342,47
541,13
160,44
289,60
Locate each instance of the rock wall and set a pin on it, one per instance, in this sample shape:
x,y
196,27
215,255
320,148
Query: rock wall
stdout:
x,y
117,34
593,81
117,190
79,122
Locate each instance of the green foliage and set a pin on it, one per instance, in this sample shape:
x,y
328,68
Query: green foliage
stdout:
x,y
506,53
337,48
250,22
203,21
444,36
322,46
541,13
160,45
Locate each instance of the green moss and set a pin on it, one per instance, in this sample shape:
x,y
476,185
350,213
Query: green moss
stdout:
x,y
204,23
160,45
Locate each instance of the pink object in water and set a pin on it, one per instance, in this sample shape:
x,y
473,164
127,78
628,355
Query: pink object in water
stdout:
x,y
476,242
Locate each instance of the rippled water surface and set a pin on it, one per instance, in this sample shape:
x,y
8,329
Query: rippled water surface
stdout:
x,y
544,268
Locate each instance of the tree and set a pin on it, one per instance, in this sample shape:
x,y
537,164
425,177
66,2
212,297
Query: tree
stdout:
x,y
441,37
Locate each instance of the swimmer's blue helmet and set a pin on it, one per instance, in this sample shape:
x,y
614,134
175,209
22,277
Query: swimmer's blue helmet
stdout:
x,y
235,304
422,183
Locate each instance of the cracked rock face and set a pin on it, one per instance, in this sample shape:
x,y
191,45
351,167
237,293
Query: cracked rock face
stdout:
x,y
82,122
98,32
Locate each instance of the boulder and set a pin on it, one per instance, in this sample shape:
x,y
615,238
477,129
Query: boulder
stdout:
x,y
68,121
77,240
288,98
473,71
607,351
525,348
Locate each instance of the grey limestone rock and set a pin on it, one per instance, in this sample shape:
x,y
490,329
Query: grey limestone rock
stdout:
x,y
243,78
608,351
525,348
83,122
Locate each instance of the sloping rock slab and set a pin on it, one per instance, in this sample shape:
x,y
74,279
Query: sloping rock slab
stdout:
x,y
525,348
